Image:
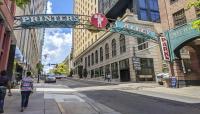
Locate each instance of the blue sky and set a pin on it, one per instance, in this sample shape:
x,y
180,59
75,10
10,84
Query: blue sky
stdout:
x,y
57,41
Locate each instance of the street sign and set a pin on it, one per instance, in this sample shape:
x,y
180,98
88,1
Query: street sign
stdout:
x,y
165,49
136,63
173,81
99,20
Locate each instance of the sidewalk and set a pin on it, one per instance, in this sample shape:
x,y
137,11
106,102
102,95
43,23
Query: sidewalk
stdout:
x,y
37,104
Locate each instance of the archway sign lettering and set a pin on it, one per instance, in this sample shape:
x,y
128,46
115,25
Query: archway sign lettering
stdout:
x,y
95,23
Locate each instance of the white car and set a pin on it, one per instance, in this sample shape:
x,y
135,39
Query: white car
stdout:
x,y
50,78
160,77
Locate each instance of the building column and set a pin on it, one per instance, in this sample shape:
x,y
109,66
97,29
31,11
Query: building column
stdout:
x,y
6,50
178,72
119,71
132,70
2,32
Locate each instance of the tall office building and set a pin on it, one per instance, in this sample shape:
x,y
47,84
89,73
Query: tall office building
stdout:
x,y
184,41
82,38
30,41
114,53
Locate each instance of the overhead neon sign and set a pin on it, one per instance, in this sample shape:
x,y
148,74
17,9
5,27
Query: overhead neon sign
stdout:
x,y
132,29
48,21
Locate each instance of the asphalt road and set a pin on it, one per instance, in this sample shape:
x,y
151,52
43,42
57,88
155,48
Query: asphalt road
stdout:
x,y
130,103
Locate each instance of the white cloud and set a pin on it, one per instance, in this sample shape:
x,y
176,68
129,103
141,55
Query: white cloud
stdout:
x,y
57,43
49,7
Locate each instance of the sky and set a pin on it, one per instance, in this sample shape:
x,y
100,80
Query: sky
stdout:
x,y
57,41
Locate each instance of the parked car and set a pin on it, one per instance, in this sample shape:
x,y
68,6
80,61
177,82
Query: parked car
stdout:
x,y
50,78
60,76
160,77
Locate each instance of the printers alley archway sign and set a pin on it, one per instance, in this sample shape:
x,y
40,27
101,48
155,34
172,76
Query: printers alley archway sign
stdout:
x,y
97,22
47,21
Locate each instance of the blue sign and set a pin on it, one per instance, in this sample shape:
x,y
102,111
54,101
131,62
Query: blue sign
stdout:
x,y
133,30
173,81
48,21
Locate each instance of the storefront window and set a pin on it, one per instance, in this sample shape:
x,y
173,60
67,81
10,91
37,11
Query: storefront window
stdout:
x,y
88,60
101,71
124,64
107,69
114,70
147,66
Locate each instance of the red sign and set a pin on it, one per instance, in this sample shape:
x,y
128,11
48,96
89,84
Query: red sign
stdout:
x,y
99,20
165,49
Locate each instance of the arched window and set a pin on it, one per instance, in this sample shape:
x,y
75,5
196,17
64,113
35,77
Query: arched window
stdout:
x,y
88,60
96,56
122,43
107,51
92,58
101,54
114,51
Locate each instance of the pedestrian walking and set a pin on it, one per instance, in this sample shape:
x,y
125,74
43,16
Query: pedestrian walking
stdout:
x,y
26,90
4,84
109,77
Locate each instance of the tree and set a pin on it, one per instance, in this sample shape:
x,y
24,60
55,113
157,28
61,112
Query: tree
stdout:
x,y
196,4
39,67
21,3
61,68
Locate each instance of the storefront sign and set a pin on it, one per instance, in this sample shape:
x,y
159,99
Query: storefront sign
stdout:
x,y
165,50
133,30
179,36
48,21
136,63
99,21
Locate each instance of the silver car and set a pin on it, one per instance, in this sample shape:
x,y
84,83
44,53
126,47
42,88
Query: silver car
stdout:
x,y
50,78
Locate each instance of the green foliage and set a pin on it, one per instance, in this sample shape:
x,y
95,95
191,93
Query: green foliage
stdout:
x,y
21,3
61,68
39,67
196,23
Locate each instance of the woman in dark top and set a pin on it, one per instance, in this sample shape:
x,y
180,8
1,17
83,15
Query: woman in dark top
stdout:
x,y
4,84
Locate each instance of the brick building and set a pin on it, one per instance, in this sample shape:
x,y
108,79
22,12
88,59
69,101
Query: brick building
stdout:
x,y
184,41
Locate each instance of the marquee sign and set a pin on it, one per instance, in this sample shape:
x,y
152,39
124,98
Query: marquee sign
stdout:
x,y
180,35
99,21
165,49
133,30
48,21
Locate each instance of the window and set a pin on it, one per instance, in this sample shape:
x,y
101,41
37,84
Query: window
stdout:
x,y
114,51
179,18
107,51
122,44
92,58
96,56
88,60
114,70
107,69
101,71
97,72
124,64
148,10
172,1
101,54
85,62
142,44
147,67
